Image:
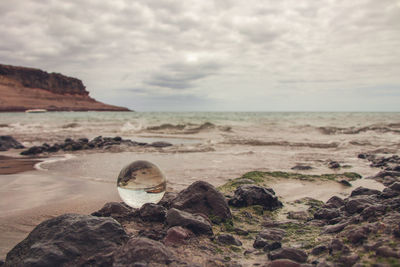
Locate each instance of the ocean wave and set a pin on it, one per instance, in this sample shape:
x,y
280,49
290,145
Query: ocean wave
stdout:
x,y
353,130
189,128
253,142
129,127
70,125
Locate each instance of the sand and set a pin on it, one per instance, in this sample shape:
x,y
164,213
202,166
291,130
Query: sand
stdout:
x,y
84,182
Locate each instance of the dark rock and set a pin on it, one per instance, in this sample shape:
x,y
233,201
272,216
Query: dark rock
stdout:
x,y
319,250
364,191
385,251
67,240
32,151
177,235
336,246
54,148
348,260
142,250
247,195
1,262
228,240
330,229
389,193
152,212
289,253
395,186
265,237
396,231
334,202
155,234
362,155
301,167
275,234
333,165
373,212
357,235
272,245
117,138
357,205
195,222
324,264
202,197
326,214
239,231
83,140
166,201
345,182
160,144
283,263
114,209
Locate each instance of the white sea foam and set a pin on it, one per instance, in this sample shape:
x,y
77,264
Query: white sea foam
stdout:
x,y
39,166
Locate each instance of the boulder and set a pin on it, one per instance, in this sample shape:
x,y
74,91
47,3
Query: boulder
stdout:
x,y
300,167
357,235
32,151
395,186
228,240
358,204
272,245
364,191
293,254
177,235
202,197
333,165
166,201
283,263
160,144
326,214
334,202
386,251
152,212
114,209
247,195
267,237
330,229
319,250
348,260
7,142
144,251
68,240
197,223
153,233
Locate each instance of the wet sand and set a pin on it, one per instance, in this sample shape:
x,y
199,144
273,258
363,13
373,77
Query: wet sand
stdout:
x,y
13,165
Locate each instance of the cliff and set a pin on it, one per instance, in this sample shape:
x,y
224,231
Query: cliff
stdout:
x,y
27,88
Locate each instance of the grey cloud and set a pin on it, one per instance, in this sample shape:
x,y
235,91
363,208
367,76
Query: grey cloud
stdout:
x,y
263,46
183,75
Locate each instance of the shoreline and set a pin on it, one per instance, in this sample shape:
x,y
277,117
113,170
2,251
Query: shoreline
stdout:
x,y
82,195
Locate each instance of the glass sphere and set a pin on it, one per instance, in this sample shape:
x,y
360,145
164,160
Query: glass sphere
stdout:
x,y
141,182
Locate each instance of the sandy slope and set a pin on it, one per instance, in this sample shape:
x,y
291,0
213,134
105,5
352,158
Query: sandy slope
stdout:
x,y
15,97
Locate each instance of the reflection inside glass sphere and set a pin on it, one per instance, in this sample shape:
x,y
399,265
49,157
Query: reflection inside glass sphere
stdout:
x,y
141,182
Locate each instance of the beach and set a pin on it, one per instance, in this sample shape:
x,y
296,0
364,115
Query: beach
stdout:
x,y
211,147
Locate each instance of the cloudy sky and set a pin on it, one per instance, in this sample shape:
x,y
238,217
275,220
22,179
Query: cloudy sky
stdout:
x,y
221,55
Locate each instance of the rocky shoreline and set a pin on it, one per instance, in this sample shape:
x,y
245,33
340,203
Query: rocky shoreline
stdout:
x,y
241,223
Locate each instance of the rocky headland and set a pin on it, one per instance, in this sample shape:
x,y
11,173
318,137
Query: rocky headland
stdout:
x,y
27,88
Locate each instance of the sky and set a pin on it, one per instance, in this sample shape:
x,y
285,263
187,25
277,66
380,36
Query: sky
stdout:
x,y
214,55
